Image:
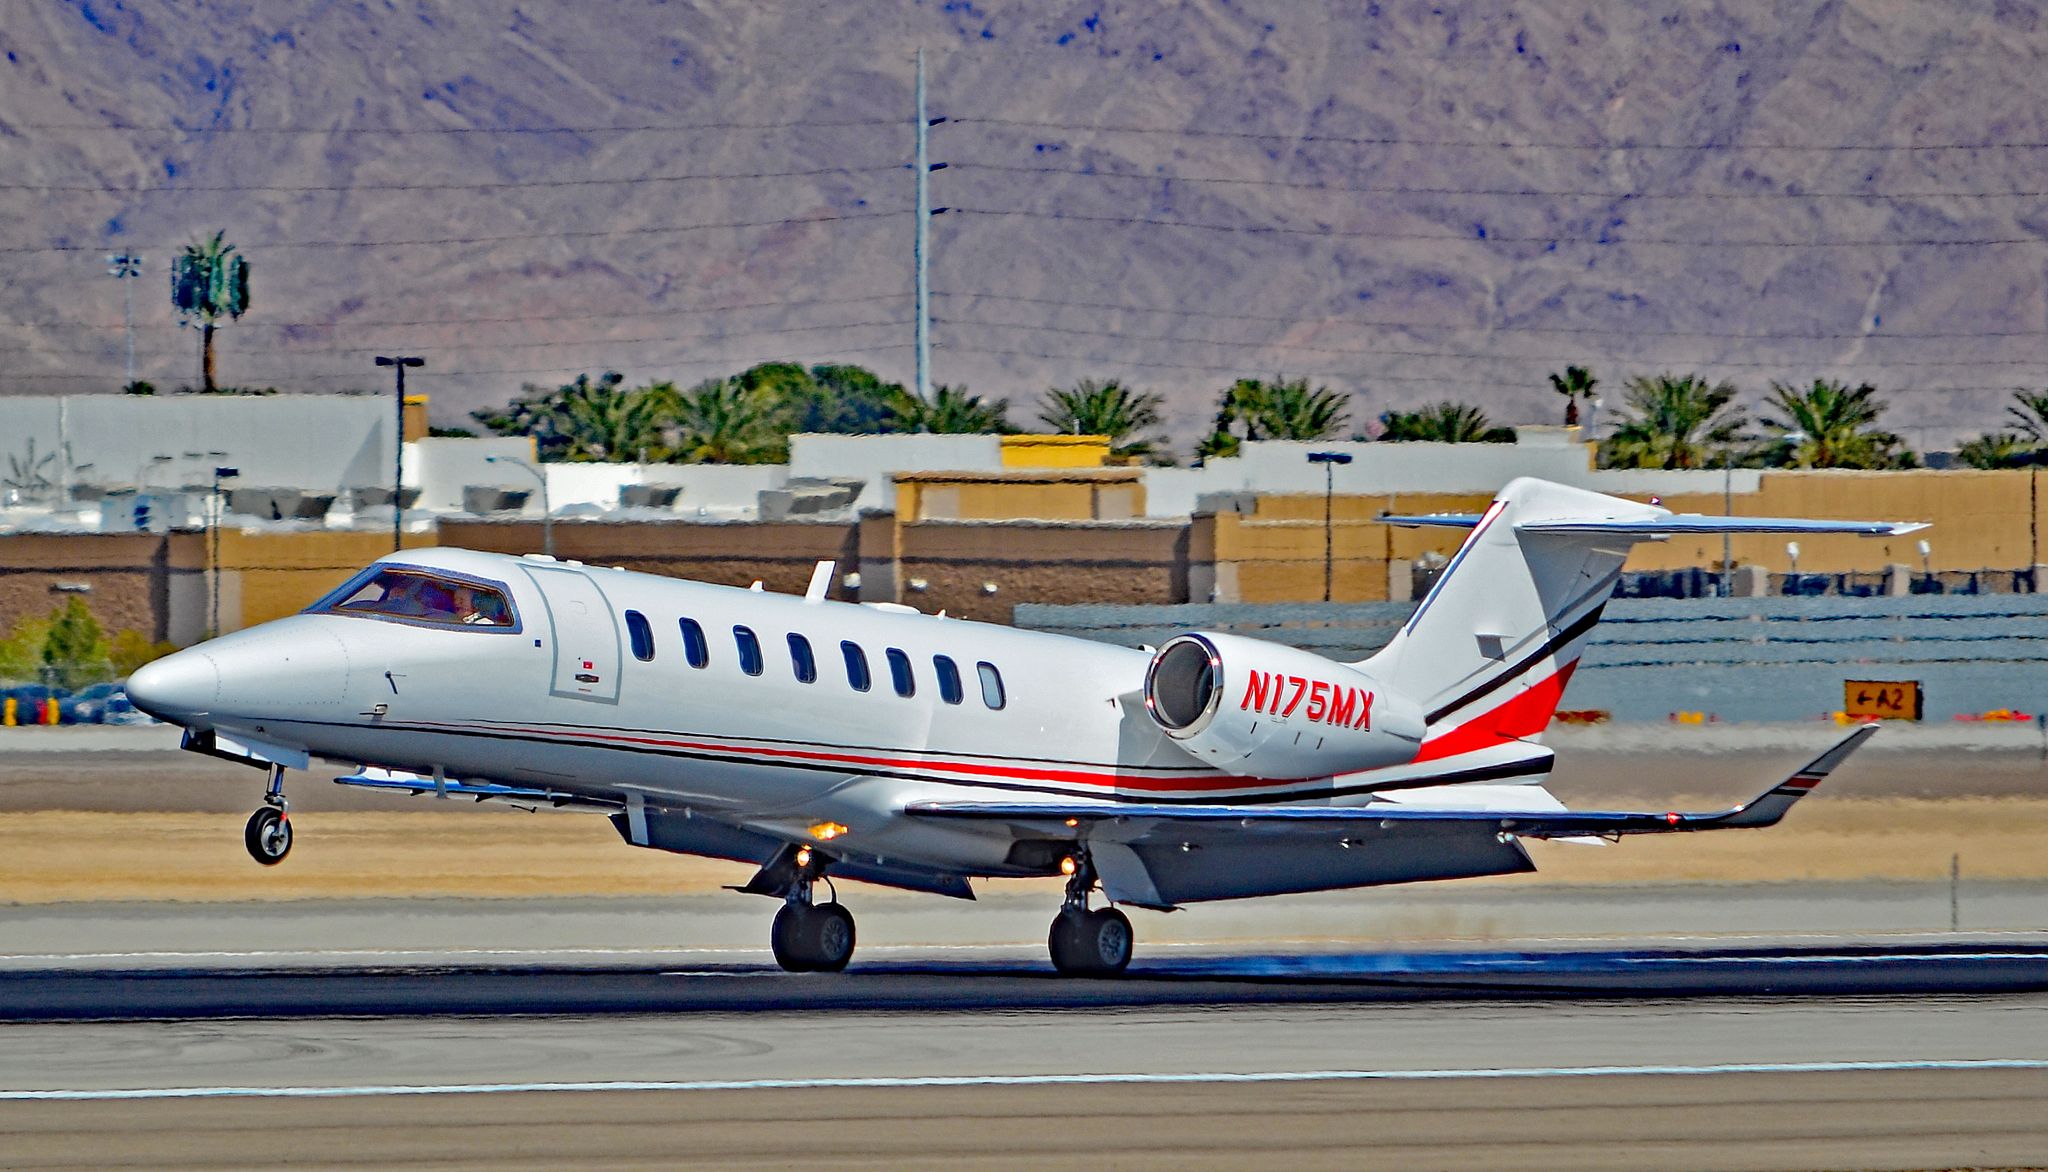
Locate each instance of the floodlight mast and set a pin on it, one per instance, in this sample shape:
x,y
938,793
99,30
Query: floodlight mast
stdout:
x,y
920,244
398,363
1329,461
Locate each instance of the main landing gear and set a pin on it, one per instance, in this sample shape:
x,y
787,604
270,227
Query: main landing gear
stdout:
x,y
269,832
811,937
1085,942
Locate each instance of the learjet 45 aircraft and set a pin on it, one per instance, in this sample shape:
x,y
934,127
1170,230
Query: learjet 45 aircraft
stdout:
x,y
820,740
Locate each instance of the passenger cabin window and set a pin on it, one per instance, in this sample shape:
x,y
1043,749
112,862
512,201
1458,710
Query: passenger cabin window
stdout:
x,y
856,666
801,659
640,635
899,673
695,648
750,650
420,597
949,679
991,685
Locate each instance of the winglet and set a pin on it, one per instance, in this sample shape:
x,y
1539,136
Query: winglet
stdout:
x,y
1769,807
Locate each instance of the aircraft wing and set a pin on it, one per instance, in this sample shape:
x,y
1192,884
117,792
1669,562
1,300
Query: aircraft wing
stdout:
x,y
1766,809
415,783
1156,854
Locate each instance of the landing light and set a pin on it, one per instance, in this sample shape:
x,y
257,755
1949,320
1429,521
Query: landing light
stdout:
x,y
1067,865
827,831
803,856
1073,821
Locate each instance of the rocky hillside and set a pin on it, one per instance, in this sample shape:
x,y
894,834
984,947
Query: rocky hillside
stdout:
x,y
1410,201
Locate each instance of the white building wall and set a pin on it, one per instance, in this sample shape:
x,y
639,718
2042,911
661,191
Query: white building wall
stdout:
x,y
1381,468
322,443
876,458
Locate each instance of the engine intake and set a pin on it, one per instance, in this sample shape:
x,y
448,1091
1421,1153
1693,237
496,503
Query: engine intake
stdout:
x,y
1261,710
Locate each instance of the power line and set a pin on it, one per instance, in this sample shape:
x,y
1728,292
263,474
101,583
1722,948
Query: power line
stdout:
x,y
1399,189
495,346
510,318
568,235
1484,237
639,128
1472,356
705,176
1510,144
1365,376
453,372
1614,331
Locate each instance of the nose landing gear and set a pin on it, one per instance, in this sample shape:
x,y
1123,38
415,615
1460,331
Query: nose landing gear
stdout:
x,y
1088,942
268,834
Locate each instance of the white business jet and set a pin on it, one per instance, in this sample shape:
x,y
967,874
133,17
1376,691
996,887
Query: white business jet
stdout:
x,y
822,740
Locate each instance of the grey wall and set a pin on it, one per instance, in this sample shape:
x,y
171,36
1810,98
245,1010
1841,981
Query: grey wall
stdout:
x,y
1748,659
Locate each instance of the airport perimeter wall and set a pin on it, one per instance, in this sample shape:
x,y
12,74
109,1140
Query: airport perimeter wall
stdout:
x,y
1736,659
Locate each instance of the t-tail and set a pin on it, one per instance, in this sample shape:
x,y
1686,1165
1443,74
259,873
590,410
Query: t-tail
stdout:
x,y
1488,652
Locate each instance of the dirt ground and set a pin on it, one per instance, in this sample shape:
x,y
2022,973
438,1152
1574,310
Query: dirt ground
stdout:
x,y
167,826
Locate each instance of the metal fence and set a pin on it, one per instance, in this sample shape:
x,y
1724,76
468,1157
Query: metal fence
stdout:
x,y
1745,659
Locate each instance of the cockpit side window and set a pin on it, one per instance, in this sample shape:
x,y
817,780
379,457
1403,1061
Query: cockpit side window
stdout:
x,y
420,596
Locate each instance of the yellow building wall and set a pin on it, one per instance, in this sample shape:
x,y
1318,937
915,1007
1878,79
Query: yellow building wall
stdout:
x,y
931,497
1055,451
265,576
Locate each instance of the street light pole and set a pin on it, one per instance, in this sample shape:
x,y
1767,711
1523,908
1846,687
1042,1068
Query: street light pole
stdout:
x,y
398,363
547,512
220,473
1329,461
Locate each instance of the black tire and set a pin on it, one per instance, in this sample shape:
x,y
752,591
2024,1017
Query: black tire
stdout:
x,y
785,938
1090,944
268,836
830,938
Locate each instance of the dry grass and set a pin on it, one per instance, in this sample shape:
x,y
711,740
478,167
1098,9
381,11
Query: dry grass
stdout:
x,y
64,856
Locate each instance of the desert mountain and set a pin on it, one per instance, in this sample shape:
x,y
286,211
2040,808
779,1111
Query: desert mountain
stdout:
x,y
1409,201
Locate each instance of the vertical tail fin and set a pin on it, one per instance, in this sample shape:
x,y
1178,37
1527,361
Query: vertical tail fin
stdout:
x,y
1488,652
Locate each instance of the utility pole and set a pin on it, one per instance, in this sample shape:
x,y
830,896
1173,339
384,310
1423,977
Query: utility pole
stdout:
x,y
920,246
398,365
121,266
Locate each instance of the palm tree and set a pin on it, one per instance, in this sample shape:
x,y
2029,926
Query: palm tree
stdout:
x,y
723,421
847,400
1574,384
209,281
1110,409
2001,449
1831,425
953,411
1255,409
1444,423
1674,421
2031,415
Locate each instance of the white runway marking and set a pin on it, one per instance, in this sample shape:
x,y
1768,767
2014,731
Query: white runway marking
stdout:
x,y
1021,1080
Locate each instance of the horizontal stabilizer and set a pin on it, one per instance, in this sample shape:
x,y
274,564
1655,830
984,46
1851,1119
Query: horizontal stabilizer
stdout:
x,y
1695,523
1669,525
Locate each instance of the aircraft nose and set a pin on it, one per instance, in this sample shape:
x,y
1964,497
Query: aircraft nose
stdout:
x,y
176,687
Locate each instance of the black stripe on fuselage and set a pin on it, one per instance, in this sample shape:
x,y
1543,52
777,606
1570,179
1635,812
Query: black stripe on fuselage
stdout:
x,y
1523,768
1549,648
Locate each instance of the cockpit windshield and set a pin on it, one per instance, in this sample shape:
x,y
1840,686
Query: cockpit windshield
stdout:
x,y
420,597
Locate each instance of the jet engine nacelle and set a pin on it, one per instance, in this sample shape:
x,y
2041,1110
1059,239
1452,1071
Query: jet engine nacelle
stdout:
x,y
1261,710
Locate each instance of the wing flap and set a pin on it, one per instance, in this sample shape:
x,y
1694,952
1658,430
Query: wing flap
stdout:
x,y
1141,822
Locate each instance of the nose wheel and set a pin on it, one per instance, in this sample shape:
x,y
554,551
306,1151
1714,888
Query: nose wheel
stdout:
x,y
268,833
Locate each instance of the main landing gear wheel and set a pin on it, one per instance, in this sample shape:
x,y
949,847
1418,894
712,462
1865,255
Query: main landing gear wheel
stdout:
x,y
268,836
812,938
269,832
1088,943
